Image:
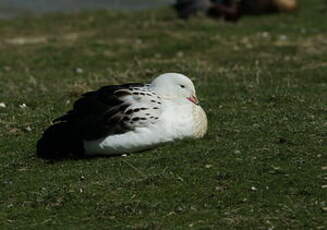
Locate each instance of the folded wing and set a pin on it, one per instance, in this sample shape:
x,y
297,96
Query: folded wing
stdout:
x,y
113,110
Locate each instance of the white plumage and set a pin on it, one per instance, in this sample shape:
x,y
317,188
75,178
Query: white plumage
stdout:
x,y
177,117
136,117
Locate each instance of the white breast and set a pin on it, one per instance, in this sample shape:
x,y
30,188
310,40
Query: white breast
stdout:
x,y
200,122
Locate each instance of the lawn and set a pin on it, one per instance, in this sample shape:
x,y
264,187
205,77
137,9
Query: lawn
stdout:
x,y
262,82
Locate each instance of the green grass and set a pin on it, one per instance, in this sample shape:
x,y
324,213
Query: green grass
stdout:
x,y
262,81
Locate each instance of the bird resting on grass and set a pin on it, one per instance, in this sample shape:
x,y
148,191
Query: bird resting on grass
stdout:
x,y
122,119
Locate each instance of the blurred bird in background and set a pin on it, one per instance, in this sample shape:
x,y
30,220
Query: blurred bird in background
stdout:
x,y
232,10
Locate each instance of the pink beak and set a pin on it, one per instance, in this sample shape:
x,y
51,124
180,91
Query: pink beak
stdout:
x,y
193,99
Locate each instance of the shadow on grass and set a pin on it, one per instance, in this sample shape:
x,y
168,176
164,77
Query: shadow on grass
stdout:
x,y
61,142
53,160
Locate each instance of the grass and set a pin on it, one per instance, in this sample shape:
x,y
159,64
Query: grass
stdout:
x,y
262,81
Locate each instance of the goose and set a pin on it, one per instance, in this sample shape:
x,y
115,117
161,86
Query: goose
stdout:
x,y
127,118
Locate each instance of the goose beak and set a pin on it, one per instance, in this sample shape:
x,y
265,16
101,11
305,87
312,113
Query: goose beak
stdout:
x,y
193,99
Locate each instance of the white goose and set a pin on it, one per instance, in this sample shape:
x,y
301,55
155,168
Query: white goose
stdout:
x,y
122,119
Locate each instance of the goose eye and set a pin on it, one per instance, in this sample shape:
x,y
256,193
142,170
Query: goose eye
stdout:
x,y
182,86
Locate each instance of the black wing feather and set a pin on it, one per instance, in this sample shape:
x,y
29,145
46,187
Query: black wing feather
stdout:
x,y
92,114
92,117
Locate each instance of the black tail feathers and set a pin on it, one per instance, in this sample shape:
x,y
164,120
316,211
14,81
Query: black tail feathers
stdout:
x,y
60,141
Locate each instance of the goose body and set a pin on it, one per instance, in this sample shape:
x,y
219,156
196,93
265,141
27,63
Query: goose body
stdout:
x,y
129,118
